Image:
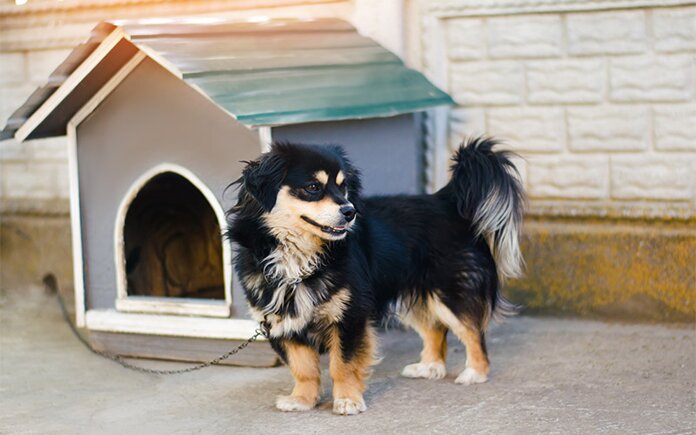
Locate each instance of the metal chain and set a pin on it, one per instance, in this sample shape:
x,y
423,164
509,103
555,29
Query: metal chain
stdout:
x,y
123,363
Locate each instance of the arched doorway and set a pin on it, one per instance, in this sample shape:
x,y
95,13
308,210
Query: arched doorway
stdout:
x,y
170,246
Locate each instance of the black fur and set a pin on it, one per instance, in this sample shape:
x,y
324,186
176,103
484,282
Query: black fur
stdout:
x,y
401,248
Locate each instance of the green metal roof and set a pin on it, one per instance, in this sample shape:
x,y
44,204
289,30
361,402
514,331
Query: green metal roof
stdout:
x,y
270,72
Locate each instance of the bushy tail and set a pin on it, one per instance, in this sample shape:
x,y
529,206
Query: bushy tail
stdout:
x,y
488,192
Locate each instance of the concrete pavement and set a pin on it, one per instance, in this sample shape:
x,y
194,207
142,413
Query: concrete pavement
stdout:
x,y
549,376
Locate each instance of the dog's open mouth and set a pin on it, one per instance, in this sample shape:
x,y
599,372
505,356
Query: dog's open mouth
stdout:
x,y
334,231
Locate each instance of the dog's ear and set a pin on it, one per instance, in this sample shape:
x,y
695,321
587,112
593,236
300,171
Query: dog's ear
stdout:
x,y
263,177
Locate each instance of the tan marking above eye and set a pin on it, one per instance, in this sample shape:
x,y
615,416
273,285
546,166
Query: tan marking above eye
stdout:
x,y
322,177
340,177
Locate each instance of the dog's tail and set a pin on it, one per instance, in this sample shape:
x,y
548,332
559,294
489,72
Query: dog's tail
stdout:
x,y
488,193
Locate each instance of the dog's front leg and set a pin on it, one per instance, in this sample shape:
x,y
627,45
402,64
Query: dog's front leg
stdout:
x,y
303,361
350,359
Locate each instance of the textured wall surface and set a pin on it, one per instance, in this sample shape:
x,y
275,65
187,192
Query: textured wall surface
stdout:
x,y
600,103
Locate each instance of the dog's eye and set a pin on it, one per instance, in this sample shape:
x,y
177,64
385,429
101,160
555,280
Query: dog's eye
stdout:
x,y
313,188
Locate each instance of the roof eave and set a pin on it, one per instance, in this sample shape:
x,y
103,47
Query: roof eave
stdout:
x,y
28,128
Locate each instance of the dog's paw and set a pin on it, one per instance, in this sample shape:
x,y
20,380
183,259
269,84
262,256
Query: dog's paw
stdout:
x,y
294,403
347,406
470,376
433,370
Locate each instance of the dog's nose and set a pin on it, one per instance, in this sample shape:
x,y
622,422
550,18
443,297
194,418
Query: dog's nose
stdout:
x,y
348,212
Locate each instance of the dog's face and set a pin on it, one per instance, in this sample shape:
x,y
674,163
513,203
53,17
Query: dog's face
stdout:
x,y
305,189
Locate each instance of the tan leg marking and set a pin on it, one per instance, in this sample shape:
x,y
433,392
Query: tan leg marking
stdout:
x,y
434,343
434,353
477,365
304,366
349,376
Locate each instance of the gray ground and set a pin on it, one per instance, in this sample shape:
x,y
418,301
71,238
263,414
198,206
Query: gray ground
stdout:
x,y
549,376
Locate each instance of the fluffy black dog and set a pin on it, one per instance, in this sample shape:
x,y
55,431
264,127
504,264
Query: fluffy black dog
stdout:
x,y
321,265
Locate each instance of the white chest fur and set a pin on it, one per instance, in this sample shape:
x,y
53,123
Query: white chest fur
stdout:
x,y
312,310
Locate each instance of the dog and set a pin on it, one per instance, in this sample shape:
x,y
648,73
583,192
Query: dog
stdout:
x,y
321,266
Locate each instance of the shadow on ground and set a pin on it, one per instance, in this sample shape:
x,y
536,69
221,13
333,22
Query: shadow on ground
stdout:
x,y
549,375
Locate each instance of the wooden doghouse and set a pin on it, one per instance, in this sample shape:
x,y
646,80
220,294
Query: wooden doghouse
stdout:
x,y
159,115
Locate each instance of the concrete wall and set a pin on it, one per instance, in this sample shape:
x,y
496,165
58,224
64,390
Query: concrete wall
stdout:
x,y
598,98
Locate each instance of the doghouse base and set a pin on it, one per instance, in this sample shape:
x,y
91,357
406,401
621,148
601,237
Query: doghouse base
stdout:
x,y
187,349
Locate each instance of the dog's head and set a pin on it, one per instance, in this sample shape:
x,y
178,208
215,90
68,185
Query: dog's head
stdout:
x,y
303,189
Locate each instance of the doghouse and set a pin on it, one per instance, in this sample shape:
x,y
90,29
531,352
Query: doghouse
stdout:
x,y
159,115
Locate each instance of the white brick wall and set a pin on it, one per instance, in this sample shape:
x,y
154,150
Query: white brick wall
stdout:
x,y
566,81
605,110
13,68
524,36
34,170
607,33
608,128
652,78
675,127
533,129
568,176
651,177
467,39
488,82
675,29
32,179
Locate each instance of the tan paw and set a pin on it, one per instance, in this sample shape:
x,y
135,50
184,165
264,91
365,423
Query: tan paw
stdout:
x,y
347,406
294,403
433,370
470,376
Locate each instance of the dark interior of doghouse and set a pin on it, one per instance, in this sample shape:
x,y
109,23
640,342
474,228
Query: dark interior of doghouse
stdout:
x,y
172,242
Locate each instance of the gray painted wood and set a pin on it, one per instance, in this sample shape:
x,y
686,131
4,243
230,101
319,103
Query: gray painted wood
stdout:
x,y
388,151
150,118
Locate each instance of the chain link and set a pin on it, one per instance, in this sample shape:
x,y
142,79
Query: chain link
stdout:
x,y
261,331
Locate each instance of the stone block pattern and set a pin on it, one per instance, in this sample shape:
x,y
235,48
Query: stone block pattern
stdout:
x,y
36,170
524,36
607,32
601,105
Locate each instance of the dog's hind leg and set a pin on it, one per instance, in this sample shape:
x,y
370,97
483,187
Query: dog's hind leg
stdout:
x,y
434,353
303,361
477,364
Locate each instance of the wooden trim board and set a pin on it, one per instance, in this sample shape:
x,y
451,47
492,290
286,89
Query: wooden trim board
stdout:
x,y
70,83
76,228
170,325
73,174
266,138
180,306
